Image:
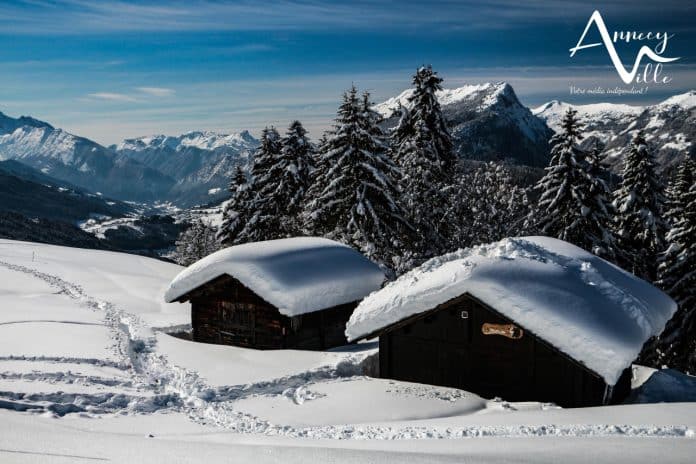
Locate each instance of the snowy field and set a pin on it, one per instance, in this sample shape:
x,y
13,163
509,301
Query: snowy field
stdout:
x,y
87,373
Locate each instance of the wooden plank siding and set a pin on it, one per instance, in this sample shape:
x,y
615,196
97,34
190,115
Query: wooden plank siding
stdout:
x,y
224,311
446,346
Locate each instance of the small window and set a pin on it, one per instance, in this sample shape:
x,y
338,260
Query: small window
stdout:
x,y
464,314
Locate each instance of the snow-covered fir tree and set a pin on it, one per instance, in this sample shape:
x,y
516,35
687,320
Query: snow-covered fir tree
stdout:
x,y
599,211
573,202
235,213
196,242
676,346
424,110
639,224
422,147
676,192
263,221
487,205
354,198
292,179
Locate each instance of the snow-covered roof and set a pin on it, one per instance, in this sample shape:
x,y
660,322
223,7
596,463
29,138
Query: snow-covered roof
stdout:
x,y
296,275
589,309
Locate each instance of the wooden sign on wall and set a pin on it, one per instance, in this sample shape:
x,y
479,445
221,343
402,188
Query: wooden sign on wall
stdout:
x,y
506,330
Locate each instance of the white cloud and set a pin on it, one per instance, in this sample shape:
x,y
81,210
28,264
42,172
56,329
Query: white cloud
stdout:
x,y
156,91
110,96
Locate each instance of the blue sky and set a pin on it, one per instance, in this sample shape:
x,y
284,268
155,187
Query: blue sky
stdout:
x,y
114,69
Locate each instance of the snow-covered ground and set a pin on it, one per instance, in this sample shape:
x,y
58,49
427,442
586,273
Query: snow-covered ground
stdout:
x,y
86,374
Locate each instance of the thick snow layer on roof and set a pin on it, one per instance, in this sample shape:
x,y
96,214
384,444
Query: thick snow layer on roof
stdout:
x,y
297,275
586,307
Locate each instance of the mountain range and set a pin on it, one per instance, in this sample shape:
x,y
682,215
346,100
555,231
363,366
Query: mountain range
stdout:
x,y
188,169
78,160
487,122
202,163
669,126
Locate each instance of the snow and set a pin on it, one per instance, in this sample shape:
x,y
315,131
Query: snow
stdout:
x,y
445,96
46,142
594,109
125,280
679,142
686,100
127,392
297,275
586,307
173,439
212,362
553,112
202,140
98,226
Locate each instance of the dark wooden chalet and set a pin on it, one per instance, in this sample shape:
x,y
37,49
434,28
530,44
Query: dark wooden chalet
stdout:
x,y
569,318
467,344
226,312
289,272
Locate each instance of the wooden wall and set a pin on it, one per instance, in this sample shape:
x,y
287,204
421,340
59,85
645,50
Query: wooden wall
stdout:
x,y
224,311
447,347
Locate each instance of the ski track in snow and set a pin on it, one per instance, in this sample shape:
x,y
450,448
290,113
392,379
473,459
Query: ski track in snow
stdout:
x,y
181,390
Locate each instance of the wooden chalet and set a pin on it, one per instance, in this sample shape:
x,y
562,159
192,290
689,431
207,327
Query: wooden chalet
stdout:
x,y
291,293
530,327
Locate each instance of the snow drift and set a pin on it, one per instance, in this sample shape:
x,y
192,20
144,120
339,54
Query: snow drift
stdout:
x,y
297,275
586,307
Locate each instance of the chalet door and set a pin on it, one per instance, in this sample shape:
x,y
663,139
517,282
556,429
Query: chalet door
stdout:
x,y
236,323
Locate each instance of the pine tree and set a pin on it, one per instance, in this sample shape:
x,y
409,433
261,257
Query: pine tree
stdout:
x,y
598,209
424,110
263,219
354,198
195,243
676,346
422,147
639,226
573,202
235,212
291,174
684,178
558,210
488,205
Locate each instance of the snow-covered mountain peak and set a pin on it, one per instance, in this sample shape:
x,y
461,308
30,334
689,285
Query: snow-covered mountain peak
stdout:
x,y
685,100
553,105
9,124
203,140
552,112
487,121
488,92
557,106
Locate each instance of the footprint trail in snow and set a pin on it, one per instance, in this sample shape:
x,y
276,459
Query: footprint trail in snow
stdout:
x,y
142,381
